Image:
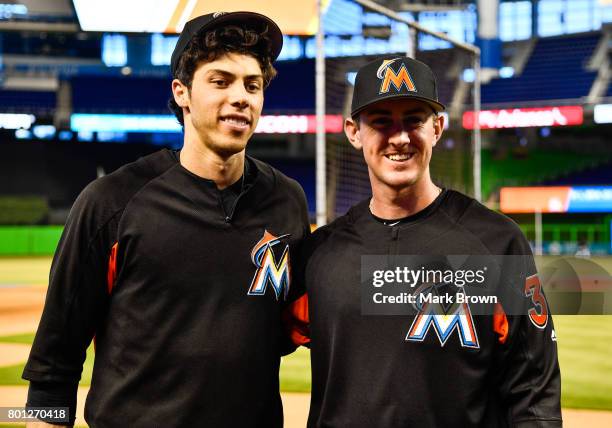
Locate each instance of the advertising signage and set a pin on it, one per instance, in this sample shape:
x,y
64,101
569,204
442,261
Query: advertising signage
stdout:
x,y
525,117
268,124
558,199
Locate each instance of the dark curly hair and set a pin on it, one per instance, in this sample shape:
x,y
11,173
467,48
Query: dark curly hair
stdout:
x,y
209,45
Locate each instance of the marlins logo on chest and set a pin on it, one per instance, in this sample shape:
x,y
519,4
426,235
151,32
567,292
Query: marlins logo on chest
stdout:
x,y
268,270
398,79
434,316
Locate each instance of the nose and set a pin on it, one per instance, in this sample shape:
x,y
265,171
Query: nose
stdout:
x,y
238,96
400,138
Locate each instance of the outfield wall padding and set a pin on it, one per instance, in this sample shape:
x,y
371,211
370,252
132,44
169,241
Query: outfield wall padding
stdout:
x,y
29,240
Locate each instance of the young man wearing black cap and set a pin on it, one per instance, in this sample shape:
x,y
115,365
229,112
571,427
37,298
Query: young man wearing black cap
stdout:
x,y
436,367
179,263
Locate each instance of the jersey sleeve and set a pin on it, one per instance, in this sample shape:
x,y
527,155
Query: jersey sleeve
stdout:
x,y
295,311
297,289
76,300
527,364
297,319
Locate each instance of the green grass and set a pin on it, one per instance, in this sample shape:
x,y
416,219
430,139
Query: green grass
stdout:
x,y
295,371
584,358
11,375
25,339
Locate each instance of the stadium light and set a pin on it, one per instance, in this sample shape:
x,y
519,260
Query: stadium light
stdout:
x,y
16,120
603,113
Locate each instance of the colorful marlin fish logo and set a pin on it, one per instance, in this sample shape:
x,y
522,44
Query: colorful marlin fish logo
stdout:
x,y
268,271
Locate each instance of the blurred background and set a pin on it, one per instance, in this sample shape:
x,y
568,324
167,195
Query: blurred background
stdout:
x,y
84,87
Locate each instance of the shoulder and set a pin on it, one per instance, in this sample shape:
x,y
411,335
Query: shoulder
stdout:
x,y
276,186
106,195
344,223
470,213
499,233
324,233
278,179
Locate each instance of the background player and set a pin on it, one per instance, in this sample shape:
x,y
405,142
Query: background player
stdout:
x,y
379,371
167,261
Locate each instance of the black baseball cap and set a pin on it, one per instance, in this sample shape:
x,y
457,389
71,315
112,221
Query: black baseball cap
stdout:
x,y
394,77
212,20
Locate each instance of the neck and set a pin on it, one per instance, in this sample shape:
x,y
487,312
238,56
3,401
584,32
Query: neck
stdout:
x,y
224,171
389,203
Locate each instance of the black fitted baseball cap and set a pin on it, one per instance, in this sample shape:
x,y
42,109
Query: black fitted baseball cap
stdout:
x,y
394,77
212,20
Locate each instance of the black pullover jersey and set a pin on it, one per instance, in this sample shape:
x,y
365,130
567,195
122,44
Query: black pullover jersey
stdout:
x,y
184,298
365,373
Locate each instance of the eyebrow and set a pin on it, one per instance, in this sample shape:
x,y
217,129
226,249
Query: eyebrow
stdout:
x,y
229,74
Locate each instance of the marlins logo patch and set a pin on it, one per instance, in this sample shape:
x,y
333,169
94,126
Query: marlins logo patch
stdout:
x,y
389,77
268,270
444,321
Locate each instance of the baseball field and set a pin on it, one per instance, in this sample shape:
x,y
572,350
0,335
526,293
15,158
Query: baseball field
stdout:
x,y
585,345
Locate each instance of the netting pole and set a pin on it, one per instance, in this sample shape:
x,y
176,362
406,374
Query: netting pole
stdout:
x,y
412,43
477,136
538,233
321,191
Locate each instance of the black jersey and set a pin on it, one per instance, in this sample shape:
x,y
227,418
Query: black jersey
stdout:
x,y
365,370
184,297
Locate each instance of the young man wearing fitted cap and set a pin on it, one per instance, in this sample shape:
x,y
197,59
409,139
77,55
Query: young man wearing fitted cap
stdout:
x,y
178,264
436,367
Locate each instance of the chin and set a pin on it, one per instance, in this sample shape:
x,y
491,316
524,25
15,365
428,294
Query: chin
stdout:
x,y
228,146
230,150
400,182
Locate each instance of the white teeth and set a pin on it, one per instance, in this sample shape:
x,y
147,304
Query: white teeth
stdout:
x,y
399,157
235,121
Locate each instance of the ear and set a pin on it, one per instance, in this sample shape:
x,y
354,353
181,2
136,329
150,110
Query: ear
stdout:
x,y
438,128
180,92
351,129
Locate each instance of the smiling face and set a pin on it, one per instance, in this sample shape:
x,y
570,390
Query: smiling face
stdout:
x,y
396,137
224,103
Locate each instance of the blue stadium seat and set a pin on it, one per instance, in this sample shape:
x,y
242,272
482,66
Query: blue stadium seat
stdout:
x,y
104,94
555,70
292,91
599,175
35,102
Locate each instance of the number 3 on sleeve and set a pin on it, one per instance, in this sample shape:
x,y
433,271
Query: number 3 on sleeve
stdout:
x,y
539,313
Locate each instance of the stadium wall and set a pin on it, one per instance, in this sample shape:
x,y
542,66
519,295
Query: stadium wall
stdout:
x,y
29,240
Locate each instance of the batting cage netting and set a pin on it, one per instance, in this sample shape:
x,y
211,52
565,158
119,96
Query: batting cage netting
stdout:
x,y
346,176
